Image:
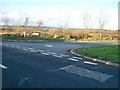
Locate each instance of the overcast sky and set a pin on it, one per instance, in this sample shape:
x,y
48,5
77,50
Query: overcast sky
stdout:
x,y
55,12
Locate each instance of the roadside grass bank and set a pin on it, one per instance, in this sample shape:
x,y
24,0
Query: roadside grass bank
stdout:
x,y
107,53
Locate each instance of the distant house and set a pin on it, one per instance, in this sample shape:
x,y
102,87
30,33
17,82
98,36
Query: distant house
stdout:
x,y
35,34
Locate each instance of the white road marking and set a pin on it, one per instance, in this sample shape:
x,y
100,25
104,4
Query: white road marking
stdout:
x,y
12,45
57,56
90,63
51,53
45,53
25,49
64,55
77,57
30,48
2,66
40,50
96,75
48,45
6,45
9,40
23,46
14,40
18,47
33,51
73,59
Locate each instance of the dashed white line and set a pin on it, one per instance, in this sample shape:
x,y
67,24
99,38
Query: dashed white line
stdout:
x,y
77,57
64,55
18,47
25,49
90,63
33,51
48,45
72,59
2,66
12,46
30,48
9,40
51,53
39,50
22,46
14,40
45,53
57,56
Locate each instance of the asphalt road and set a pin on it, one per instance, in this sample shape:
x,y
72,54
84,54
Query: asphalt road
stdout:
x,y
49,65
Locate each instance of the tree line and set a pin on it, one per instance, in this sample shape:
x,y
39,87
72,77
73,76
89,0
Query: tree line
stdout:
x,y
63,31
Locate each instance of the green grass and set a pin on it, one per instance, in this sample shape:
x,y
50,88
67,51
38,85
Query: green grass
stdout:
x,y
108,53
5,37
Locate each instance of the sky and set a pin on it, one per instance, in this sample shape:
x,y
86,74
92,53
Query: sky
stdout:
x,y
59,12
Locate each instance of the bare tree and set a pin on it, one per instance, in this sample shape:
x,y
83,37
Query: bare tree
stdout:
x,y
17,27
26,22
5,20
86,20
102,22
39,23
63,24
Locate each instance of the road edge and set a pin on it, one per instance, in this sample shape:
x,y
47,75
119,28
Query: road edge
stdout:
x,y
95,59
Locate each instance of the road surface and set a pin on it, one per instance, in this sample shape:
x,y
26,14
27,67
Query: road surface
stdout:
x,y
50,65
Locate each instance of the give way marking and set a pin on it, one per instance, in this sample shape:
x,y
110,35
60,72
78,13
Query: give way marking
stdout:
x,y
2,66
48,45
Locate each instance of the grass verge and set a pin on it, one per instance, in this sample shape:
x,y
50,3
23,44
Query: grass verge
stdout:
x,y
108,53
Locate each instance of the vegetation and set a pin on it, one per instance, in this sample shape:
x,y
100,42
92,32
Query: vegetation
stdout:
x,y
58,34
109,53
6,37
